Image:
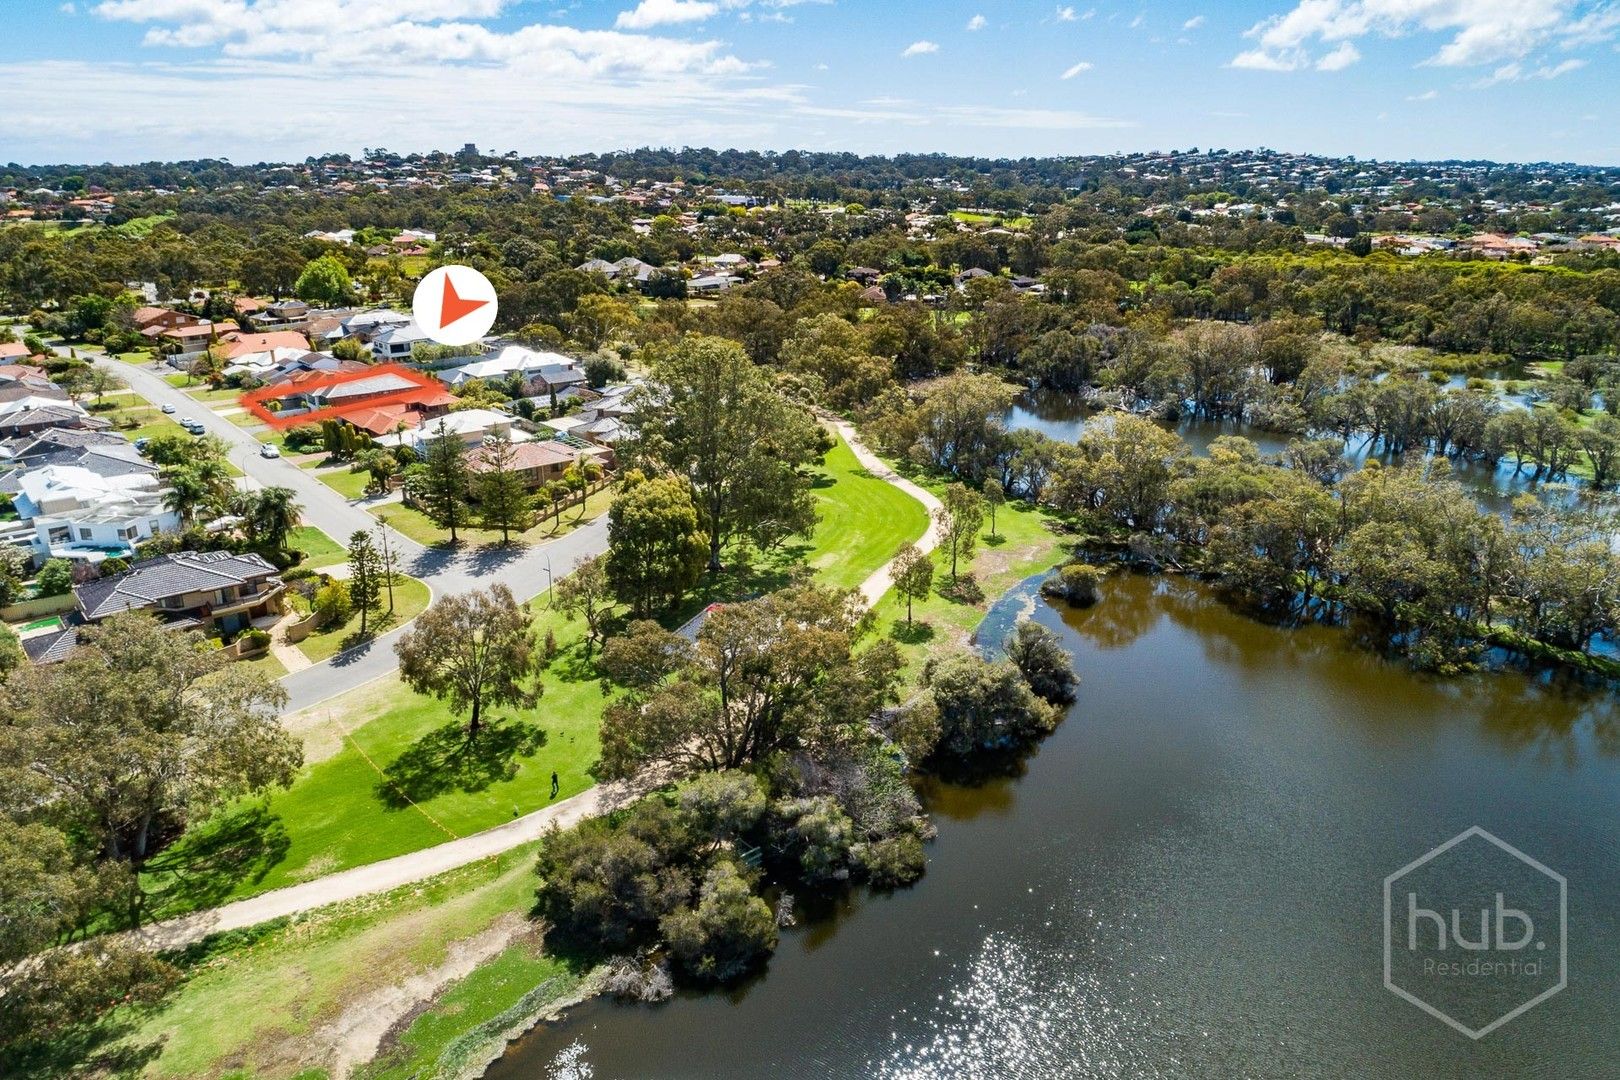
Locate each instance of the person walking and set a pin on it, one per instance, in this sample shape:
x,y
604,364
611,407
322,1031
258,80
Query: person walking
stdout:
x,y
554,783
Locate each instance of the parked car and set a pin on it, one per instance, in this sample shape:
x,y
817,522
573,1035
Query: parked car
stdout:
x,y
168,408
269,450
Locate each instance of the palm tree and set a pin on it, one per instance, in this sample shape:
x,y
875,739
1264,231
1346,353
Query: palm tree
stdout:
x,y
271,514
187,490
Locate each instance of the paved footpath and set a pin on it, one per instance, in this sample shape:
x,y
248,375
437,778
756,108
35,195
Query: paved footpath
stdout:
x,y
419,865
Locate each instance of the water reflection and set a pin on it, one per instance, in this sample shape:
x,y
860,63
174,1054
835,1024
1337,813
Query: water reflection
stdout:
x,y
1186,881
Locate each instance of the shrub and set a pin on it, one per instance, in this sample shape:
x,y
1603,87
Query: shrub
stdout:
x,y
983,705
728,930
254,639
55,578
333,604
1076,583
1042,660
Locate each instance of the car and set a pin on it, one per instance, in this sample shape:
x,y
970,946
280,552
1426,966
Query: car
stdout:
x,y
269,450
141,443
168,408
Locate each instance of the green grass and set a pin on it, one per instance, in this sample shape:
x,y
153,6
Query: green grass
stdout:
x,y
863,521
340,812
319,549
410,597
268,663
224,394
254,1003
411,522
351,485
1025,544
480,999
140,421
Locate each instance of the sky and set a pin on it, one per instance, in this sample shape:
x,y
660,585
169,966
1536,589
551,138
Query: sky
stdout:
x,y
93,81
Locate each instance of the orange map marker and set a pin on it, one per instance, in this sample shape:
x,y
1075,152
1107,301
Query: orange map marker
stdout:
x,y
454,308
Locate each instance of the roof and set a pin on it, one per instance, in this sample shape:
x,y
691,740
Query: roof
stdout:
x,y
383,419
385,383
525,455
11,349
241,344
52,647
150,581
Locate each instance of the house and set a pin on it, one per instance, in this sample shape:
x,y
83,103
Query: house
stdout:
x,y
864,275
12,351
541,371
189,588
25,373
148,318
398,341
471,426
538,462
240,344
75,511
712,283
366,325
320,387
25,409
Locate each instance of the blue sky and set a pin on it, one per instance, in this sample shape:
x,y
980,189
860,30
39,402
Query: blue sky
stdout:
x,y
126,80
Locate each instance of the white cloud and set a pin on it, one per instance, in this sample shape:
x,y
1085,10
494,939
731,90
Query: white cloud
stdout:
x,y
1078,69
1480,31
1066,14
1194,23
1340,58
1517,72
1427,95
650,13
978,22
920,48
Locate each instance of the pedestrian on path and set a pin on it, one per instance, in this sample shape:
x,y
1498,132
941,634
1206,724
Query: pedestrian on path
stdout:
x,y
554,784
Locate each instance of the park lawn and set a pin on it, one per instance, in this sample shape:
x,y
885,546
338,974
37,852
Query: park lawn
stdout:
x,y
410,597
863,521
350,485
256,1003
342,812
319,549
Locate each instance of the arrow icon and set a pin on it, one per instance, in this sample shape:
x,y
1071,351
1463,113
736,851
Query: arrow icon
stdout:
x,y
453,308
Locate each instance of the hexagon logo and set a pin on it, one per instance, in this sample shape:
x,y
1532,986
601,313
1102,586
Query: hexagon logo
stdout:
x,y
1475,932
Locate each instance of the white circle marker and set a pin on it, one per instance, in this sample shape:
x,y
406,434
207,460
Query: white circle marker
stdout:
x,y
454,305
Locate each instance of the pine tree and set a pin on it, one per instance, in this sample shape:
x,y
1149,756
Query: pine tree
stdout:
x,y
445,480
365,576
503,502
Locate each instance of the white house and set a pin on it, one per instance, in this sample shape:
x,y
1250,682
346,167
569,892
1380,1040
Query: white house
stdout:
x,y
396,342
515,359
471,426
74,512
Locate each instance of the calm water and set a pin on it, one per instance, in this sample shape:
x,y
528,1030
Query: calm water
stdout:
x,y
1184,881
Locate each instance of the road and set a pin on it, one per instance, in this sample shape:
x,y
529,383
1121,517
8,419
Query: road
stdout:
x,y
527,571
420,865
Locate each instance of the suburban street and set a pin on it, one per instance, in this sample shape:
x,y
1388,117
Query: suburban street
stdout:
x,y
528,572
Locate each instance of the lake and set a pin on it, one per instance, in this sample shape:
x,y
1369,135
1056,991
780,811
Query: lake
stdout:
x,y
1184,880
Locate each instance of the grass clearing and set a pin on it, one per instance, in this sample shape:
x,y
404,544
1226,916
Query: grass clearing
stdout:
x,y
260,1002
350,485
319,549
864,521
410,597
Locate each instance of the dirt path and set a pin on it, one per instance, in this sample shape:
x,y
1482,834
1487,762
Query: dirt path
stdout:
x,y
356,1035
419,865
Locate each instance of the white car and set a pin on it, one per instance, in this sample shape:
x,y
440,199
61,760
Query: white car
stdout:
x,y
168,408
269,450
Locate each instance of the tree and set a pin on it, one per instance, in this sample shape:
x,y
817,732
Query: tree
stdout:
x,y
445,480
982,705
325,281
1046,666
586,593
365,576
712,417
913,576
503,501
728,930
656,549
55,578
474,650
958,519
269,515
140,731
774,675
994,497
12,656
332,603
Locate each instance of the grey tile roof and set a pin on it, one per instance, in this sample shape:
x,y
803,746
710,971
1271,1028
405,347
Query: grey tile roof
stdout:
x,y
148,582
49,648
